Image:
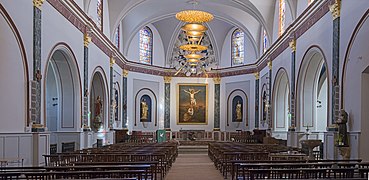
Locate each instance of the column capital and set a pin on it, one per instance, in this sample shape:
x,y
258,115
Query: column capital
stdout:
x,y
38,3
292,45
257,75
86,39
335,9
167,79
270,65
112,61
125,73
217,80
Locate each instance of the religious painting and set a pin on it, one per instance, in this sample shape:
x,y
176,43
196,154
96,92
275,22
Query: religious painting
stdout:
x,y
237,109
145,108
192,103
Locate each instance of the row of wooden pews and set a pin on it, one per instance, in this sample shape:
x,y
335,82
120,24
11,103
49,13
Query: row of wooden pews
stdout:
x,y
121,161
257,161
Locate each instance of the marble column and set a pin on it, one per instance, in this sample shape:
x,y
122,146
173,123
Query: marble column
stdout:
x,y
112,106
86,42
270,96
257,76
124,122
216,103
167,80
37,73
335,10
292,126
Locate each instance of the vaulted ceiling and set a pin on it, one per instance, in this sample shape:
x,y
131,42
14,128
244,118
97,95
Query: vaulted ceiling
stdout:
x,y
250,15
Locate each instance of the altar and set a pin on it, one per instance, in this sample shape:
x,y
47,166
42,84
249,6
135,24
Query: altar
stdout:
x,y
192,135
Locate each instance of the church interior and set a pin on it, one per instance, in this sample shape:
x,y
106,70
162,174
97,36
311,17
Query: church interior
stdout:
x,y
184,89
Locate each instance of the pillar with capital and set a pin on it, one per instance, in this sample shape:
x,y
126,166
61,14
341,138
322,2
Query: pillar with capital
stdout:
x,y
112,100
86,42
292,126
167,80
37,73
257,77
217,103
125,75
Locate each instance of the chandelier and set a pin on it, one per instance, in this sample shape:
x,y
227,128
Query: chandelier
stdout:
x,y
194,53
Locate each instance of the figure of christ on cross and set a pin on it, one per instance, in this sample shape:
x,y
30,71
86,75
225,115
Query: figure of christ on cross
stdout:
x,y
192,93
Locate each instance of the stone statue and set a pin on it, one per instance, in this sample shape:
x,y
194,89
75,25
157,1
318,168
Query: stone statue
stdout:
x,y
98,112
192,93
342,128
239,111
144,110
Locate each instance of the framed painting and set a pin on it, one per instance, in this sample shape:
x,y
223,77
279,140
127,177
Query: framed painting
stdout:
x,y
192,104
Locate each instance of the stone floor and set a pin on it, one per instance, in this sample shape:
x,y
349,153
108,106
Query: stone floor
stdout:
x,y
193,167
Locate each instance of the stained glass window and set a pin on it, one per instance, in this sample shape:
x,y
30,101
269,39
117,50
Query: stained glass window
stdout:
x,y
265,41
146,45
99,11
117,37
282,16
238,39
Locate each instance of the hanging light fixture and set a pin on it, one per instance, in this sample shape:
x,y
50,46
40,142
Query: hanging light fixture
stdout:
x,y
194,31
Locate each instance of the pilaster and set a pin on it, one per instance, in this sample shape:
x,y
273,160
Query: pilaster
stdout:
x,y
167,80
86,42
257,77
292,126
217,102
112,106
125,75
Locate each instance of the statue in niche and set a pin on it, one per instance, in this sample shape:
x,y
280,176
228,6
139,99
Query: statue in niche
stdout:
x,y
239,111
342,128
144,110
98,112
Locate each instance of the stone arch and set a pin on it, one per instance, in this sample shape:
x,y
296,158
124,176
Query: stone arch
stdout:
x,y
312,91
13,64
98,88
62,90
281,101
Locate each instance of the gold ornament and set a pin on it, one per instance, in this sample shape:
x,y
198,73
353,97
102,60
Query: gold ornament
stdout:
x,y
86,39
38,3
167,79
335,9
193,47
257,75
194,16
293,45
125,73
217,80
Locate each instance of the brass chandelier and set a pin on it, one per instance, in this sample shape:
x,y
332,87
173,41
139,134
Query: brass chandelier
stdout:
x,y
194,31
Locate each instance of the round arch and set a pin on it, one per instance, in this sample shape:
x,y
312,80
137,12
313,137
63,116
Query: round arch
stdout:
x,y
99,100
312,95
13,64
62,90
281,101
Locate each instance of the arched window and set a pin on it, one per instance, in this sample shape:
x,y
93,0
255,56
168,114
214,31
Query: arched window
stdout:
x,y
117,37
282,16
238,39
146,45
265,41
99,10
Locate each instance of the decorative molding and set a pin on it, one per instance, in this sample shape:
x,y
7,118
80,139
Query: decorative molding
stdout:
x,y
257,75
335,9
292,45
112,61
217,80
86,39
125,73
167,79
38,3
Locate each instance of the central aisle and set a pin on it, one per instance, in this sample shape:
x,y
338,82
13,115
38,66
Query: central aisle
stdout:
x,y
193,167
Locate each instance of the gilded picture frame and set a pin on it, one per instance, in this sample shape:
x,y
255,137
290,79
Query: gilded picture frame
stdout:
x,y
192,104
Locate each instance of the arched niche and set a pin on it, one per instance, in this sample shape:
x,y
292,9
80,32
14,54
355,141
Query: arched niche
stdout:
x,y
312,92
13,77
151,123
98,101
232,124
62,87
281,101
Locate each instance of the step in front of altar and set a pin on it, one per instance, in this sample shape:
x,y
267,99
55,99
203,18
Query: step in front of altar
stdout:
x,y
193,149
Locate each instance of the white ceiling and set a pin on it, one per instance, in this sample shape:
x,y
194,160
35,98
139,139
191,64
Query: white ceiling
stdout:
x,y
249,15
